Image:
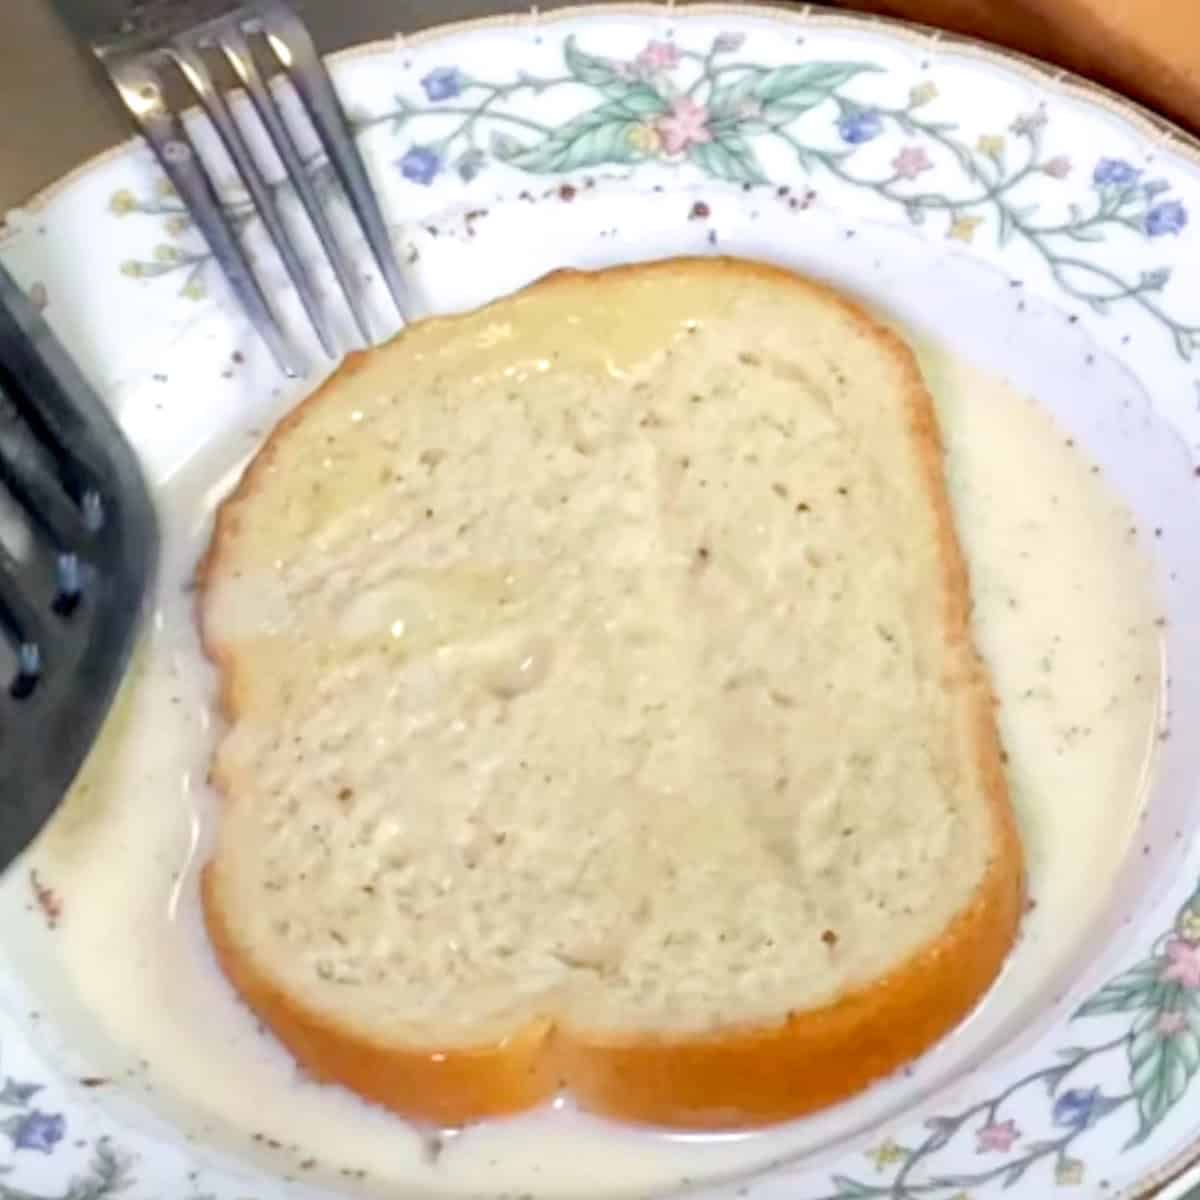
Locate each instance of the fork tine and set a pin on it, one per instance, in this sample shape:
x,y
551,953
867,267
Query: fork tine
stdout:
x,y
237,51
293,47
213,101
141,92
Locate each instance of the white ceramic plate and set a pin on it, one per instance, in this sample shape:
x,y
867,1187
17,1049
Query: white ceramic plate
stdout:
x,y
1041,228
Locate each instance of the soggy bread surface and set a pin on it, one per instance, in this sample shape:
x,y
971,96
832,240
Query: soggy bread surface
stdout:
x,y
602,711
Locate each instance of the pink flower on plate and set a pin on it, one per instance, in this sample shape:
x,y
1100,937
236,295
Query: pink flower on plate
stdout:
x,y
1171,1023
658,56
911,162
999,1137
1183,964
685,125
1058,167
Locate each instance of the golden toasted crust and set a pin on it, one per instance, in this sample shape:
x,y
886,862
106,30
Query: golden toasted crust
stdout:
x,y
446,1087
737,1076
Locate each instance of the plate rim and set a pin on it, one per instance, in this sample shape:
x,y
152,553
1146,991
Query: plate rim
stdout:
x,y
1144,122
1060,79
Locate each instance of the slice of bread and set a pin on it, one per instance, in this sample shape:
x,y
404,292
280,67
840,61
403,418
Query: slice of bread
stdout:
x,y
603,714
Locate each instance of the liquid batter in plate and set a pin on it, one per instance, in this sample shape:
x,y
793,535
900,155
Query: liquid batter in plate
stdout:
x,y
1065,613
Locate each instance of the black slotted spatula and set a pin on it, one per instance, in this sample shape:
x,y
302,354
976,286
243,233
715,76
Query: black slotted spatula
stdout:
x,y
78,550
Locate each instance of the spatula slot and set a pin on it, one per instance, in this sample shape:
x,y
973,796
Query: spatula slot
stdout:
x,y
29,672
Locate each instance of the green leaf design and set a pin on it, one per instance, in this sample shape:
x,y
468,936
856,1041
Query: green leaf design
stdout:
x,y
609,142
503,145
1037,1149
786,111
965,157
1053,1079
601,135
808,80
1011,218
786,91
850,1189
1133,991
1160,1067
728,157
401,112
1073,1054
726,100
590,68
953,1181
16,1094
637,101
1006,226
943,1130
1013,1174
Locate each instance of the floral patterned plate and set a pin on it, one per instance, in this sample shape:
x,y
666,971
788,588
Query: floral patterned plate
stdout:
x,y
1043,227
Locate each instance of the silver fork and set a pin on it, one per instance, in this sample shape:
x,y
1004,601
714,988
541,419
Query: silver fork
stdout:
x,y
155,36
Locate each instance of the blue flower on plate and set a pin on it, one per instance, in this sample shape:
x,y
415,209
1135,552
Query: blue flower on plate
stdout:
x,y
443,83
1168,217
1115,172
420,164
36,1130
1075,1108
859,126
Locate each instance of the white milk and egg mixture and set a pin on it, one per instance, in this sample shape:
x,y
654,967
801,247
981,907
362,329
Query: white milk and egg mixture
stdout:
x,y
1064,613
